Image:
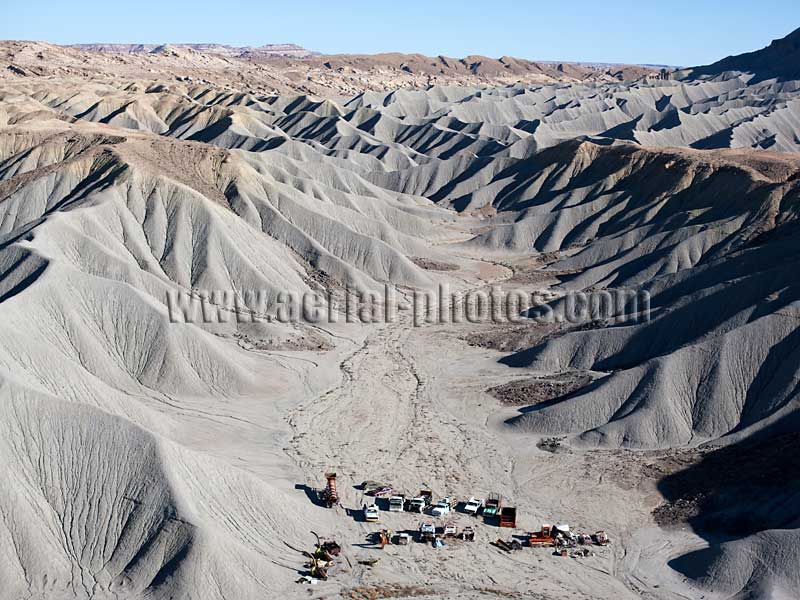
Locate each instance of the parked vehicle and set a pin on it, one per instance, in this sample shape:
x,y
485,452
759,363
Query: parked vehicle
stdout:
x,y
427,531
601,539
441,508
468,534
420,503
473,506
542,539
492,506
371,513
508,517
381,537
449,529
402,539
369,486
385,490
396,503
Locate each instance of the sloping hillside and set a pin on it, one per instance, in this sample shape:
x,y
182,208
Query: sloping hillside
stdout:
x,y
780,60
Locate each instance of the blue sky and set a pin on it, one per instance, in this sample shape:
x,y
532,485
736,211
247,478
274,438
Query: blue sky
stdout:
x,y
676,32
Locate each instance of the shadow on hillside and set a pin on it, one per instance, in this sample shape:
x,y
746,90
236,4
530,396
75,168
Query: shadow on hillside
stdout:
x,y
733,492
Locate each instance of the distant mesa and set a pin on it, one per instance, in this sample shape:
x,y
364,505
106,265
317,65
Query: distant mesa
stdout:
x,y
289,50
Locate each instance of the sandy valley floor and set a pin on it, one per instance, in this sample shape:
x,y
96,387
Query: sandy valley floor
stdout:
x,y
384,405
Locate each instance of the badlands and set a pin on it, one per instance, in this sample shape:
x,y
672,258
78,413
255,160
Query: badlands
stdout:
x,y
148,458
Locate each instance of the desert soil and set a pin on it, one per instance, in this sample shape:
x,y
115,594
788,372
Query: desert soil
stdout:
x,y
396,412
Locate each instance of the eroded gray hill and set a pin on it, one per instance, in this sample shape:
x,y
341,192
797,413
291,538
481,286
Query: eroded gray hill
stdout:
x,y
114,193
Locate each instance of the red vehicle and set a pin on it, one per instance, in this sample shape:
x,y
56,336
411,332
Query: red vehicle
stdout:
x,y
543,538
385,490
508,517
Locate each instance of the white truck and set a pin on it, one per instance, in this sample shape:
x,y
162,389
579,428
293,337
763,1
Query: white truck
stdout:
x,y
421,502
371,513
427,531
473,506
442,508
396,503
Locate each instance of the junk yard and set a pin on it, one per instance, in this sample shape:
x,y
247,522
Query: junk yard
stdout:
x,y
396,519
